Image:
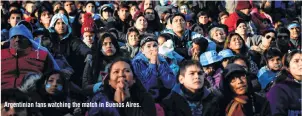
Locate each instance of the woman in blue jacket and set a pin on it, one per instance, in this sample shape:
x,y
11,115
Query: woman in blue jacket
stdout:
x,y
153,71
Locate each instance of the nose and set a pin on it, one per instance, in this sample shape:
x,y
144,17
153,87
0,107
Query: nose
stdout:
x,y
121,74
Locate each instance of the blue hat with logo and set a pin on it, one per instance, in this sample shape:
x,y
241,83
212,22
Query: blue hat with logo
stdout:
x,y
226,53
209,57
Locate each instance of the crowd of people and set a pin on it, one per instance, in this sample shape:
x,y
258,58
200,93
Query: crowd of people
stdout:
x,y
163,58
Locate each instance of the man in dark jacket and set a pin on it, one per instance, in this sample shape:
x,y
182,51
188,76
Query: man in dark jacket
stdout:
x,y
72,48
121,22
190,97
22,57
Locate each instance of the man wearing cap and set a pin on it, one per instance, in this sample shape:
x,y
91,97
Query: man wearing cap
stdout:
x,y
22,56
295,34
183,37
121,23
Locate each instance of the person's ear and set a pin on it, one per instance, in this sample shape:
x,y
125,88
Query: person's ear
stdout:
x,y
8,20
181,79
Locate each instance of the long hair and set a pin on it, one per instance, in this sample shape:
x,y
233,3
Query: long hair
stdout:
x,y
138,86
155,24
97,56
243,49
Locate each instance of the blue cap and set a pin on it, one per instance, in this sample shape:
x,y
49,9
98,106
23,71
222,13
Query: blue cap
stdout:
x,y
226,53
209,57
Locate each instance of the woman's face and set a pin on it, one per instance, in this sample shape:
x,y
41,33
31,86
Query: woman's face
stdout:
x,y
295,66
108,48
275,63
141,23
183,9
219,36
121,73
45,18
149,47
235,43
133,10
241,29
133,39
81,18
54,84
239,84
90,8
268,38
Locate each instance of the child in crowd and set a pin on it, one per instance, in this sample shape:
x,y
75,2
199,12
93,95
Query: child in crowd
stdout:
x,y
190,97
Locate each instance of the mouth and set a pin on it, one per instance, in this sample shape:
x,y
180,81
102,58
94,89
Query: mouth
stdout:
x,y
109,51
197,82
241,88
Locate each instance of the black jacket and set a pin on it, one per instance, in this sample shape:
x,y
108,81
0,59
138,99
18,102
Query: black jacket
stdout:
x,y
176,104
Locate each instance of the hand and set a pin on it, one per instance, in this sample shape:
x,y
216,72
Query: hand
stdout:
x,y
154,57
122,90
88,59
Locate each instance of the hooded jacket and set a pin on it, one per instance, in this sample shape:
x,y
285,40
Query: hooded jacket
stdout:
x,y
73,49
15,66
182,44
158,79
285,97
180,103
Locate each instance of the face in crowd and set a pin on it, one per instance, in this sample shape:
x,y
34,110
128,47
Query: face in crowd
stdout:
x,y
19,42
108,48
192,78
150,48
121,75
54,84
178,24
238,83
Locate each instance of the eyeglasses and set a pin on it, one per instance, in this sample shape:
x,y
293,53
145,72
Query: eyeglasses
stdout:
x,y
269,37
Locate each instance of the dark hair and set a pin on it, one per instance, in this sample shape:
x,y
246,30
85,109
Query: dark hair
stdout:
x,y
202,13
288,57
167,36
240,57
92,2
283,30
15,12
123,5
177,14
243,49
41,10
266,20
222,13
154,23
184,65
97,56
270,53
269,31
203,44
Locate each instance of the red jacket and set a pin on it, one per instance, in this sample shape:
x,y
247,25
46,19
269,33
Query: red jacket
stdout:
x,y
15,66
232,19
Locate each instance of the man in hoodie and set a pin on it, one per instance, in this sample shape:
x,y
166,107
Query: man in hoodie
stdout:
x,y
22,56
73,49
121,22
189,97
182,37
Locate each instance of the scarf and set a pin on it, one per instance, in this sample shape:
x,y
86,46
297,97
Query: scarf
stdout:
x,y
243,16
235,107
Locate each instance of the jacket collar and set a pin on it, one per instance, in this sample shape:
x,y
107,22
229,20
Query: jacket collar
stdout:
x,y
178,90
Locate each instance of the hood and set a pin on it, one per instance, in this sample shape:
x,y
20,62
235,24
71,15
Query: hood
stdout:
x,y
141,56
22,30
178,90
54,20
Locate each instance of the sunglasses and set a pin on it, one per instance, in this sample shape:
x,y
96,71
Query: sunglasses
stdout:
x,y
282,36
269,37
149,13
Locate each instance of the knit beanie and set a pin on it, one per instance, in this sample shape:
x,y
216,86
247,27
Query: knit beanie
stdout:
x,y
88,24
243,5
